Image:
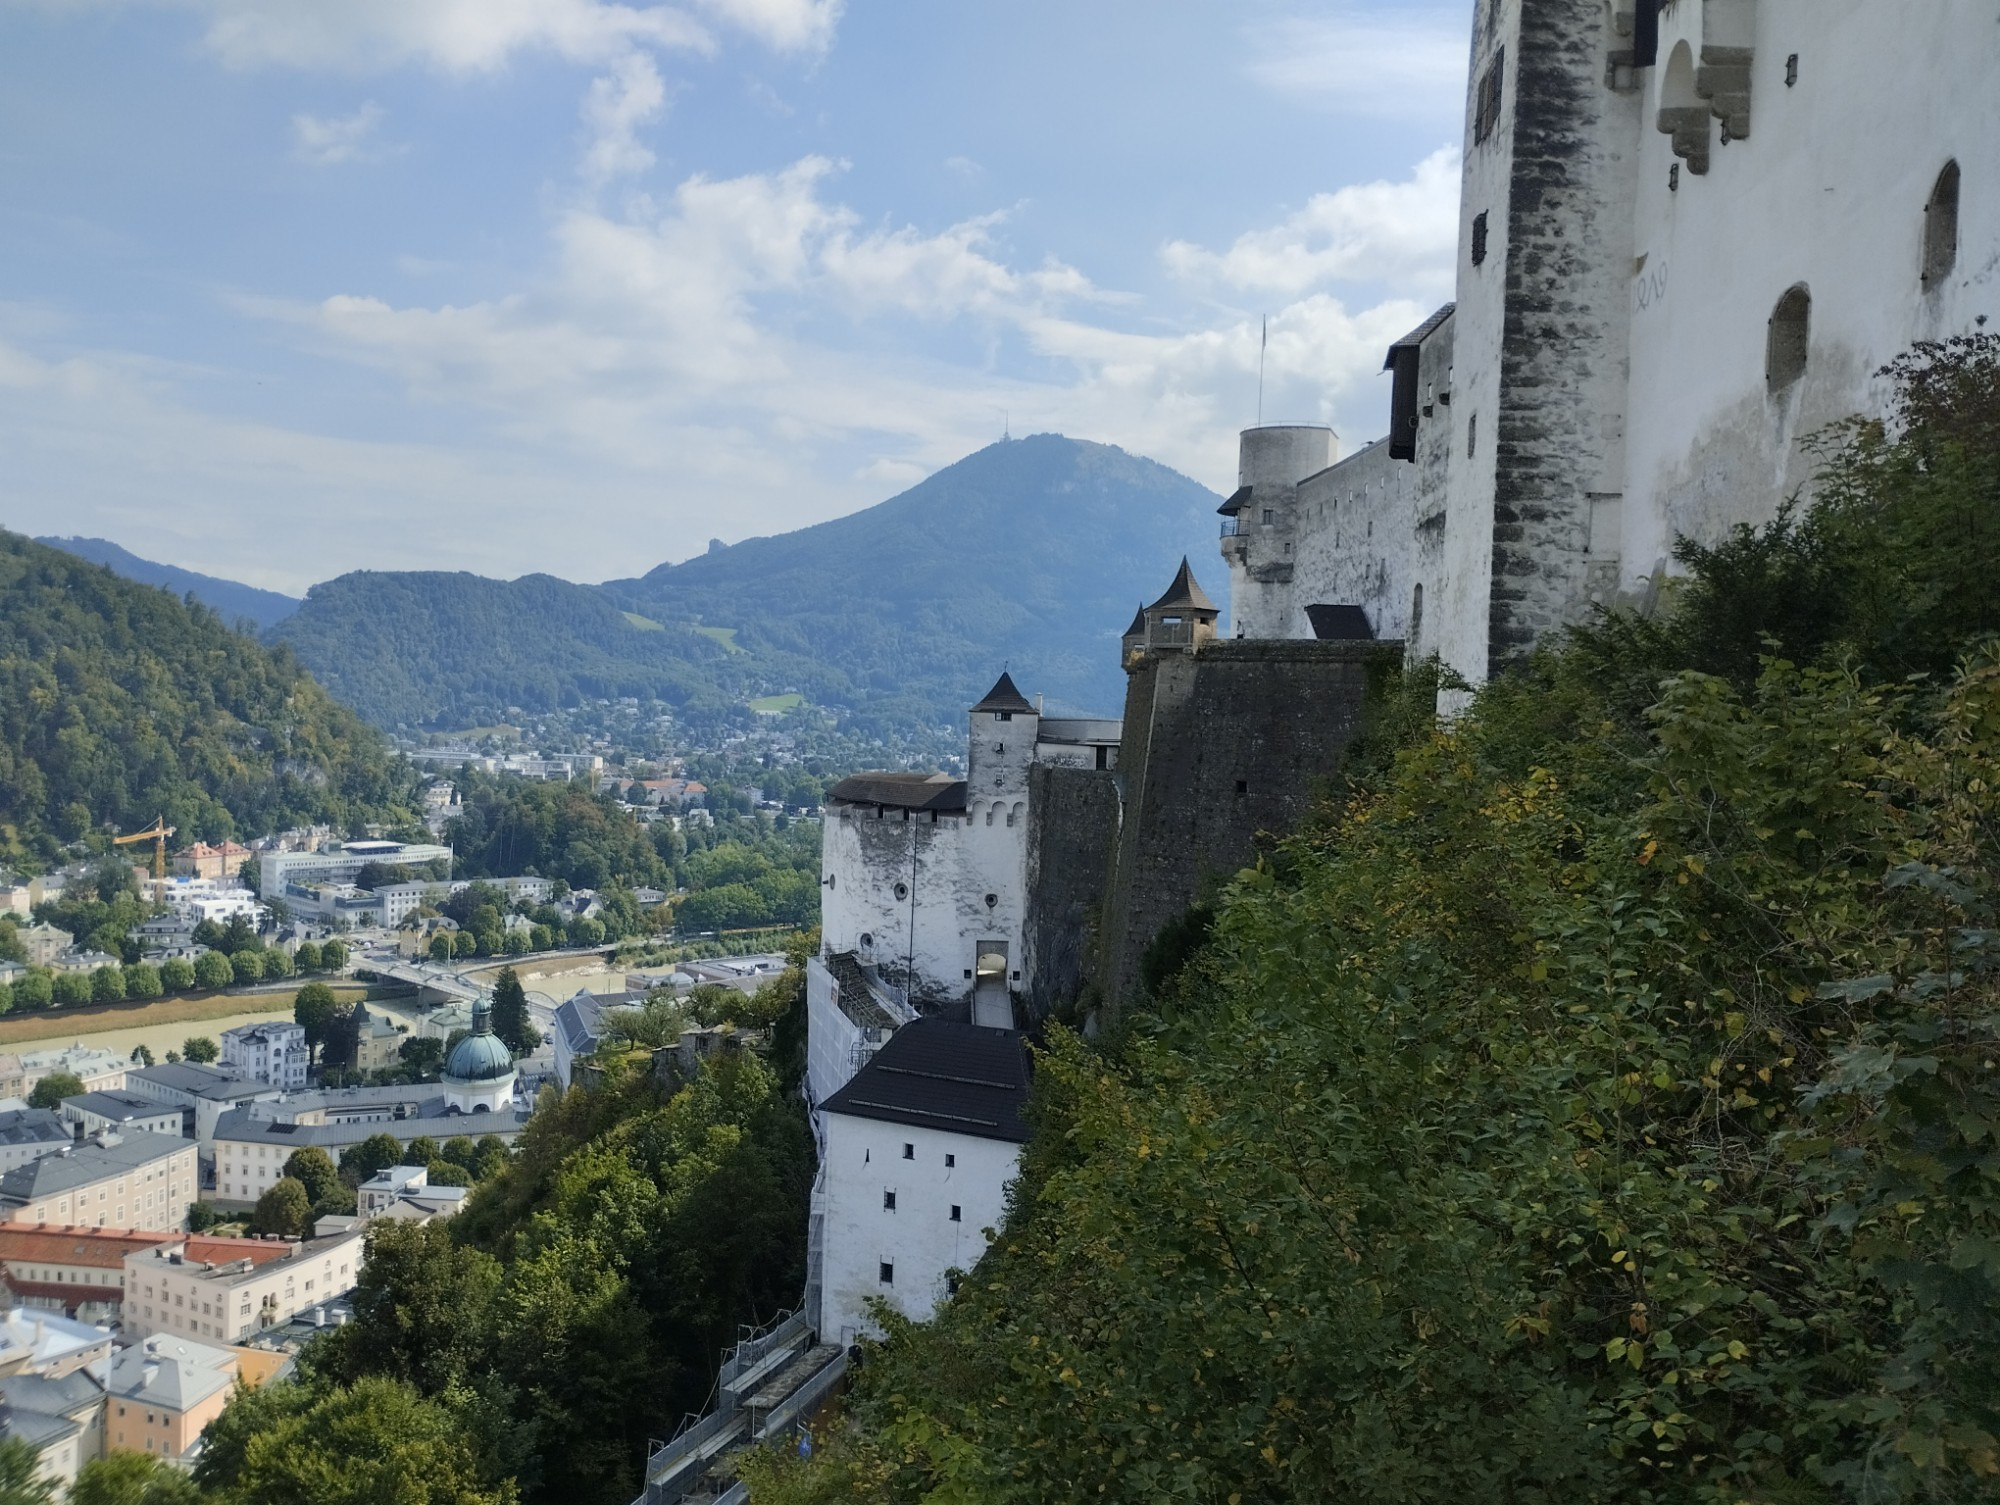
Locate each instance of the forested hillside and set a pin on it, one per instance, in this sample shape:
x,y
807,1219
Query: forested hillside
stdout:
x,y
527,1349
230,600
1031,553
427,647
1597,1103
120,702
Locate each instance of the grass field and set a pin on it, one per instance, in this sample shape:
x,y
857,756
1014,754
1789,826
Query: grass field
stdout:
x,y
723,635
771,705
644,624
52,1025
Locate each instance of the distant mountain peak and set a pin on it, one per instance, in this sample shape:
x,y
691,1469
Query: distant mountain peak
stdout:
x,y
229,599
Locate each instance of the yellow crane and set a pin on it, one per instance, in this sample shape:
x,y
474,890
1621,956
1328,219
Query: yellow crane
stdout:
x,y
157,833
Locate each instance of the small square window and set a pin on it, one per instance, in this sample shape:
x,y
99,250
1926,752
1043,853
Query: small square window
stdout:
x,y
950,1160
888,1201
1242,786
1270,516
909,1152
954,1213
888,1274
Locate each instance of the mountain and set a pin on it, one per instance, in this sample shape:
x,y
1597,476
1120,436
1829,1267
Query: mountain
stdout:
x,y
1030,553
228,599
120,702
414,648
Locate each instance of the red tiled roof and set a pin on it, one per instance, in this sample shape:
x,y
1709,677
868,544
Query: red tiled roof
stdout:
x,y
66,1245
220,1251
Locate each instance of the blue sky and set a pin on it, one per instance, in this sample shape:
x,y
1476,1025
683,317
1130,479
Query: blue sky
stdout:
x,y
293,287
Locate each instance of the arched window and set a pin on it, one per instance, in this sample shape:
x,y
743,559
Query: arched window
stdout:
x,y
1684,114
1785,346
1941,227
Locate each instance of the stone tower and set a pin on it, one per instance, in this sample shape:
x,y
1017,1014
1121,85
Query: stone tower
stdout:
x,y
1261,523
1005,727
1182,619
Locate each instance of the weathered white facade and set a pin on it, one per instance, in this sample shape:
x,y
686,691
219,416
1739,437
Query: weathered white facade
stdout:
x,y
1691,234
916,1154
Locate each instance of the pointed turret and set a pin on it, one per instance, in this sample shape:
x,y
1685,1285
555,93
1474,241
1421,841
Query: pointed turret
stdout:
x,y
1132,646
1183,618
1005,697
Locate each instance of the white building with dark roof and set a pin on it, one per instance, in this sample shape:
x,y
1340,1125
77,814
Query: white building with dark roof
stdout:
x,y
30,1133
204,1092
121,1112
918,1150
273,1051
136,1181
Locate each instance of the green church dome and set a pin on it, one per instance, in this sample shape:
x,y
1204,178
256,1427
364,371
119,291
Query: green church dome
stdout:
x,y
481,1056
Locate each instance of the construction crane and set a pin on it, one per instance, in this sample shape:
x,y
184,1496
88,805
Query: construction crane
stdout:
x,y
157,833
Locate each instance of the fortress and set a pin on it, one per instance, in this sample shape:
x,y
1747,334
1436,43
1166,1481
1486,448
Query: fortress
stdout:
x,y
1691,233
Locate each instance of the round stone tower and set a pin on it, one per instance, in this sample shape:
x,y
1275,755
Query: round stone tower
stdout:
x,y
1260,523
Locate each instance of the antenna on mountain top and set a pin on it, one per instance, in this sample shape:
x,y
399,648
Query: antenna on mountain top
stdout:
x,y
1263,344
1006,426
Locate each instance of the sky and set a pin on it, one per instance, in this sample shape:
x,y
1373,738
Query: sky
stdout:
x,y
295,287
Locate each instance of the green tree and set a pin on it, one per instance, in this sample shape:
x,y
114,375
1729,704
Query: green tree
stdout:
x,y
464,943
72,988
142,1055
314,1169
586,932
460,1150
202,1216
53,1088
35,991
510,1013
440,946
542,938
122,1478
21,1480
240,935
419,1151
313,1009
515,943
276,963
360,1162
246,966
200,1049
286,1208
107,985
333,956
422,1056
142,980
307,957
213,971
176,974
376,1442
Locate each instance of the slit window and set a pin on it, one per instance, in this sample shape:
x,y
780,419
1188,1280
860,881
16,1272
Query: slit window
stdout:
x,y
1486,107
1941,227
1479,238
954,1213
1786,344
909,1152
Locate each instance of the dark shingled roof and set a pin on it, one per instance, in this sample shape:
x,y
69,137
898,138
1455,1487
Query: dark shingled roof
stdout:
x,y
1185,592
1236,500
1138,627
1004,697
1418,335
937,1074
902,791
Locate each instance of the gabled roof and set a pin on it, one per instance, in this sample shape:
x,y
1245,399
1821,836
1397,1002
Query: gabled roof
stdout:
x,y
1004,697
940,1074
1185,592
1418,335
902,791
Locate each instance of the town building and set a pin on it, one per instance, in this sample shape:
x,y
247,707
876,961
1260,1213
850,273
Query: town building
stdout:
x,y
30,1133
202,1093
378,1044
93,1113
579,1028
161,1393
98,1070
216,863
404,1194
42,943
227,1294
919,1149
291,875
137,1181
38,1342
79,1272
273,1052
62,1419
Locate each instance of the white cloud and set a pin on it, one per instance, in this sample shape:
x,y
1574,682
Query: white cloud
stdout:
x,y
617,105
325,140
1366,231
788,25
1409,64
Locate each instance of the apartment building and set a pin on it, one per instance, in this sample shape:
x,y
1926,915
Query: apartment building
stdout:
x,y
239,1290
120,1113
161,1393
30,1133
79,1272
273,1052
144,1181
